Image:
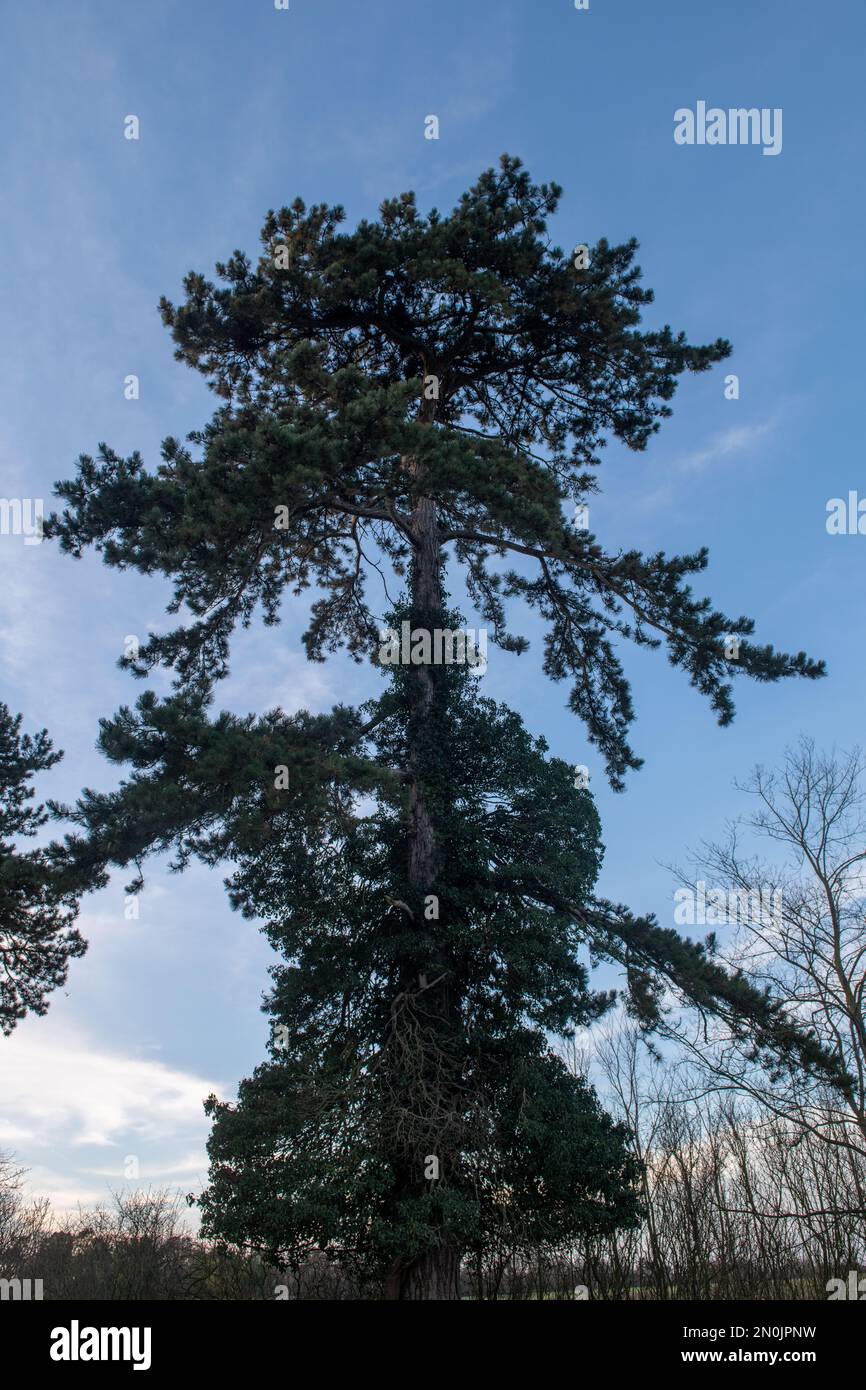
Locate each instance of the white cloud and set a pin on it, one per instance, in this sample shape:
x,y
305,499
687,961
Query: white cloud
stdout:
x,y
736,440
62,1095
722,448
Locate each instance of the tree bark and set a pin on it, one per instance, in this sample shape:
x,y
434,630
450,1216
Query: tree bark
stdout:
x,y
436,1273
426,591
426,599
434,1276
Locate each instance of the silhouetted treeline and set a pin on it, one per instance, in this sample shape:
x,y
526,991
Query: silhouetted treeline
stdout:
x,y
738,1205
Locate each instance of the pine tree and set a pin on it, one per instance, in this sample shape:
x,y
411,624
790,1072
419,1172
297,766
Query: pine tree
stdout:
x,y
420,386
37,935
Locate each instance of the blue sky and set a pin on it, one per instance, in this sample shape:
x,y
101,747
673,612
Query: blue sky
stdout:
x,y
242,107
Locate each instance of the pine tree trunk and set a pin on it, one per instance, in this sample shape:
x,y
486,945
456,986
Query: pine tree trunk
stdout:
x,y
426,600
426,591
435,1274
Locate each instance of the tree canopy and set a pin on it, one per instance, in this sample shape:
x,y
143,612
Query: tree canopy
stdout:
x,y
419,390
37,914
455,366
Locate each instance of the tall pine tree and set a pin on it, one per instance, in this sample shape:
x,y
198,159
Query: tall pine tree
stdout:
x,y
420,387
38,937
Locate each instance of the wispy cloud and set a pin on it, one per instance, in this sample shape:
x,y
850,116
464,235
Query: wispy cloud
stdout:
x,y
738,440
63,1096
722,449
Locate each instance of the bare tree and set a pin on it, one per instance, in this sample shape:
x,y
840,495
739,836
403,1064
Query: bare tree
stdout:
x,y
799,931
740,1202
23,1225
